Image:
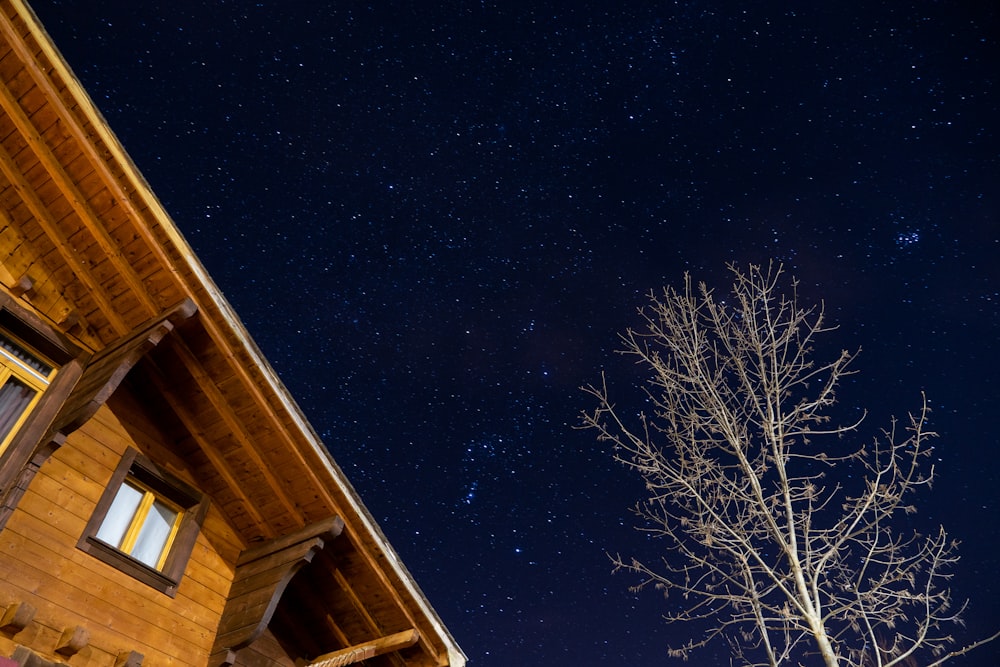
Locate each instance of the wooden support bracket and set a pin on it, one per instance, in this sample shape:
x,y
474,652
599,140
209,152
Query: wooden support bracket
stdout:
x,y
106,370
262,574
90,387
359,652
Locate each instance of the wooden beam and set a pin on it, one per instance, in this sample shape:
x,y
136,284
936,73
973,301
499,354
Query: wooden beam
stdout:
x,y
72,641
356,601
76,199
98,156
24,286
17,617
218,463
237,428
12,171
129,659
262,574
25,656
359,652
106,370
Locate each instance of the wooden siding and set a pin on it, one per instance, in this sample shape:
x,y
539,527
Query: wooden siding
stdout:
x,y
69,587
265,652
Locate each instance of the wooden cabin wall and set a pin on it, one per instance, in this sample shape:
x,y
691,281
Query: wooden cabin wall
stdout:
x,y
265,652
41,565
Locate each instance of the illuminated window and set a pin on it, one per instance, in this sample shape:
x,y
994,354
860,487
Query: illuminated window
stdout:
x,y
24,375
146,523
140,524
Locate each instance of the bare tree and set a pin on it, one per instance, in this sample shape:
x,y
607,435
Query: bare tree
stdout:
x,y
782,548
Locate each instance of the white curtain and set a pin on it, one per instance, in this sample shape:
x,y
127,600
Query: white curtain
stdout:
x,y
120,515
154,534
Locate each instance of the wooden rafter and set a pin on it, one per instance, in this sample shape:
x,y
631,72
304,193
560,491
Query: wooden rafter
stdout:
x,y
234,425
386,585
335,628
74,197
355,600
211,453
41,214
84,141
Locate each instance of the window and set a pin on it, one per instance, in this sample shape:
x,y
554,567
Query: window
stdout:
x,y
39,367
24,375
146,523
140,523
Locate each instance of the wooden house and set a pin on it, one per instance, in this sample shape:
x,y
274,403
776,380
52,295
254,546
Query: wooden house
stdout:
x,y
163,501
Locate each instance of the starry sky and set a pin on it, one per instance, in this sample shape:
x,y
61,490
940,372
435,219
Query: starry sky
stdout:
x,y
435,218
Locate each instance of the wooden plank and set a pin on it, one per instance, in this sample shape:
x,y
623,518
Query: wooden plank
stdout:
x,y
112,599
117,608
53,502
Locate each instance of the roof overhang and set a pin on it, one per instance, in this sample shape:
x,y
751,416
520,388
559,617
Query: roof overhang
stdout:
x,y
85,241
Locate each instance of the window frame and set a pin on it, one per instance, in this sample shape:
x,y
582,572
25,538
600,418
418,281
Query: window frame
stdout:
x,y
68,359
192,503
12,367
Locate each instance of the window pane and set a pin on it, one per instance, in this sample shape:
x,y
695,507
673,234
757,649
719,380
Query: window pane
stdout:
x,y
154,534
14,398
120,515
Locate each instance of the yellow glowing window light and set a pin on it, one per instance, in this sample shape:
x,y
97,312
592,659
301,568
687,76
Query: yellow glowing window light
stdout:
x,y
24,375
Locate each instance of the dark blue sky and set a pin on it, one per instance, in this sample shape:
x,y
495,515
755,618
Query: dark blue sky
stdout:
x,y
434,221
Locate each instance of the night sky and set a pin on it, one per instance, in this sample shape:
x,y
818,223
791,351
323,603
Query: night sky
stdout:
x,y
435,218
